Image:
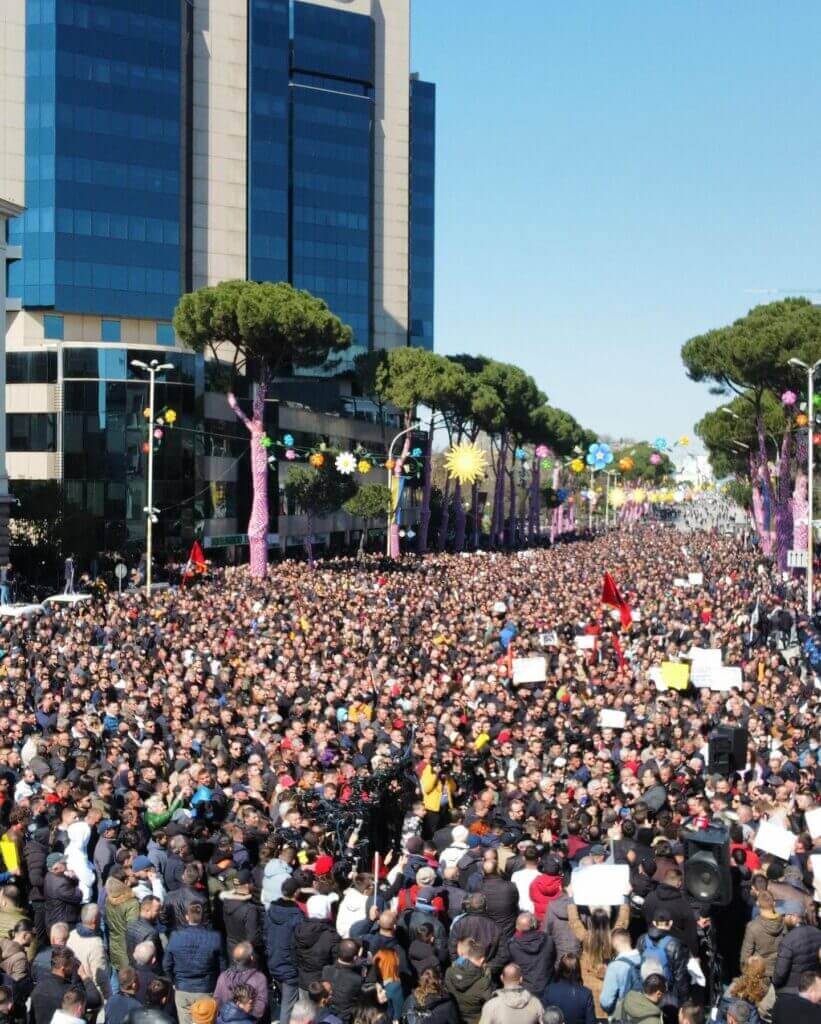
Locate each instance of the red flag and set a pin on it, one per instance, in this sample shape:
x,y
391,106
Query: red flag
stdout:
x,y
618,650
610,596
196,562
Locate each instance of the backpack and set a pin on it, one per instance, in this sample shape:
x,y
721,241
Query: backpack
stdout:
x,y
657,950
633,981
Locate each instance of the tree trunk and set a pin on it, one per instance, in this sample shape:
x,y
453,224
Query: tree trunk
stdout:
x,y
361,552
442,536
461,516
475,513
258,521
497,513
757,498
424,518
800,502
768,498
783,509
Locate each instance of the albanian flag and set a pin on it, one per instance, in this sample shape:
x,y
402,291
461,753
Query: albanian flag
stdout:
x,y
196,562
610,596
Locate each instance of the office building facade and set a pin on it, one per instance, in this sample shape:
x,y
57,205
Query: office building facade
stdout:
x,y
163,145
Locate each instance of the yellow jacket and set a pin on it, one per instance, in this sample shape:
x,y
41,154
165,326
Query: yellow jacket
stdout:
x,y
433,788
10,853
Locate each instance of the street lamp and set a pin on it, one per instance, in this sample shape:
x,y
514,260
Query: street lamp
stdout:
x,y
152,369
393,528
810,465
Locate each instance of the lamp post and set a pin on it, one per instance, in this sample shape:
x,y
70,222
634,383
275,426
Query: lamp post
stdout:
x,y
152,369
810,463
392,512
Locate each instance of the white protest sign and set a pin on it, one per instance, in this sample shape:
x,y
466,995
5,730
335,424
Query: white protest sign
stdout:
x,y
549,639
529,670
724,679
585,643
610,719
815,864
695,579
705,662
654,674
678,582
600,885
774,839
814,822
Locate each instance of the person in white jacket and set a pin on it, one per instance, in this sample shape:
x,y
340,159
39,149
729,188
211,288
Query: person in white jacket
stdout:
x,y
353,907
72,1008
77,858
452,854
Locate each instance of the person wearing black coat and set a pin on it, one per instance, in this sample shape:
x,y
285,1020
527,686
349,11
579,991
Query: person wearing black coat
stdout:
x,y
176,904
677,956
281,920
475,924
63,898
241,914
670,896
533,952
345,977
567,992
433,1009
316,943
47,994
797,951
35,852
501,896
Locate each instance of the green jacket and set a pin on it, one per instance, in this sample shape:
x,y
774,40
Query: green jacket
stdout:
x,y
156,820
638,1009
121,907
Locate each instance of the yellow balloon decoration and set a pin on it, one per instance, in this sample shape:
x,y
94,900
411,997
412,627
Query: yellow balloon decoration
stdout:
x,y
626,464
577,466
801,420
466,462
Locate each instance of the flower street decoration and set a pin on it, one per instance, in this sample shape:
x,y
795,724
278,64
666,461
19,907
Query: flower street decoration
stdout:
x,y
639,496
417,453
288,440
577,466
660,444
546,464
363,466
789,398
290,454
317,460
562,494
626,464
816,438
542,451
655,459
265,441
520,454
466,462
684,441
345,463
599,456
170,417
147,413
801,420
617,497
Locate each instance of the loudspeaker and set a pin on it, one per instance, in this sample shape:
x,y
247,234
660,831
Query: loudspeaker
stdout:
x,y
707,865
727,750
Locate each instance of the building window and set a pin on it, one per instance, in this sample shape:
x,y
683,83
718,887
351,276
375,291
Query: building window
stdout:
x,y
53,327
31,432
109,330
165,334
31,367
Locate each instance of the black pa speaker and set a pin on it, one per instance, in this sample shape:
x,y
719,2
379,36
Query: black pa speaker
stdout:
x,y
727,750
707,875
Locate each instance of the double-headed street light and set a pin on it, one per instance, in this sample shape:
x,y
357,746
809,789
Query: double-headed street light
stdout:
x,y
810,465
152,369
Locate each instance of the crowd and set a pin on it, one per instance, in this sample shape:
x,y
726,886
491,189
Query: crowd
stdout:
x,y
320,798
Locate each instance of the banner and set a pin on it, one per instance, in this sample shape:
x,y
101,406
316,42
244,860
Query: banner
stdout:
x,y
814,822
705,661
675,675
600,885
695,579
610,719
529,670
774,839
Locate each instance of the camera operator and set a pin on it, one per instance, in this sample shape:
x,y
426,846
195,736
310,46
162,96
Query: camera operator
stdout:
x,y
438,789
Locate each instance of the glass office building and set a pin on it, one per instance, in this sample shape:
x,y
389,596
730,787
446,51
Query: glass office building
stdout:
x,y
171,144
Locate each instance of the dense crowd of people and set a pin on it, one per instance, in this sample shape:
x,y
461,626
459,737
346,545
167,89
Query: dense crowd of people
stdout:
x,y
324,798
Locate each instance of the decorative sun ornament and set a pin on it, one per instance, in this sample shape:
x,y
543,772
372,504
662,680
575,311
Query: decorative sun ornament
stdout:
x,y
170,417
626,464
345,463
577,466
317,460
617,497
363,466
466,462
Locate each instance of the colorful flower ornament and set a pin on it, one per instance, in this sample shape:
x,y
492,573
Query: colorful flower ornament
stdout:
x,y
801,420
290,454
626,464
546,464
520,454
660,444
816,438
317,460
562,494
599,456
617,497
170,417
363,466
147,413
655,459
816,401
684,441
345,463
466,462
789,398
158,434
542,451
265,441
577,466
417,453
390,464
288,440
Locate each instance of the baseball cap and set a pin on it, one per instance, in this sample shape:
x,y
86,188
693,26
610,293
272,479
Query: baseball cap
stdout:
x,y
141,864
105,825
54,859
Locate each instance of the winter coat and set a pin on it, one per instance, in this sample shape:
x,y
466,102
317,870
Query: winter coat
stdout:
x,y
502,903
353,907
228,980
558,927
533,952
63,899
242,919
275,873
281,919
34,858
470,867
139,930
782,891
120,908
791,1008
409,923
177,903
762,937
454,896
230,1013
434,789
797,952
346,988
471,987
10,916
422,955
435,1010
77,858
512,1006
315,945
677,955
674,901
148,1015
638,1009
105,856
48,993
118,1007
193,959
487,933
575,1002
88,948
451,856
593,974
172,875
617,979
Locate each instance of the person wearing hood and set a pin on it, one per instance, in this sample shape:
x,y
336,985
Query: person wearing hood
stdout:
x,y
532,951
468,981
513,1003
670,896
557,925
77,860
453,853
644,1006
764,933
121,907
105,852
623,973
315,941
353,907
545,888
62,894
430,1001
35,852
276,871
798,950
241,914
238,1010
281,919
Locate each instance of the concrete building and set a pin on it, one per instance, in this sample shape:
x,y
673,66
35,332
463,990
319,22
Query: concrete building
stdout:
x,y
7,211
163,145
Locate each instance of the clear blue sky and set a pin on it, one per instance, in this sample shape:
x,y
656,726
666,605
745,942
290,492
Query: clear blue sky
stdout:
x,y
615,176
